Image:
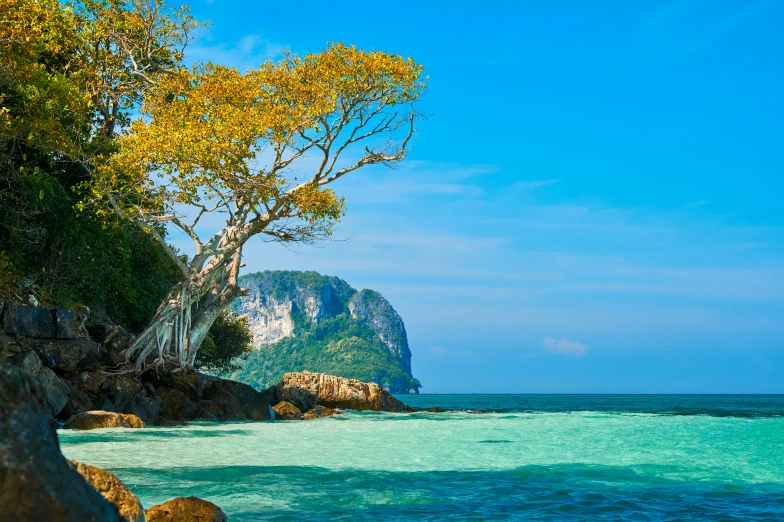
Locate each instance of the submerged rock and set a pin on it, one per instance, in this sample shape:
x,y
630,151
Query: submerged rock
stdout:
x,y
186,509
306,389
286,411
91,420
36,482
113,490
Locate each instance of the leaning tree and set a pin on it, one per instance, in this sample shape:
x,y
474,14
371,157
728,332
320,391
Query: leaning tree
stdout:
x,y
259,148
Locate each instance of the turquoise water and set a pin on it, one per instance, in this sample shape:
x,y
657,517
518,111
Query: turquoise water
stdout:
x,y
532,458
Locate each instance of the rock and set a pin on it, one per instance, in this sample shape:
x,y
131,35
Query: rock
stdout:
x,y
92,381
175,405
30,321
435,410
65,355
146,408
229,400
91,420
113,490
67,324
336,392
56,391
36,482
186,509
319,411
286,411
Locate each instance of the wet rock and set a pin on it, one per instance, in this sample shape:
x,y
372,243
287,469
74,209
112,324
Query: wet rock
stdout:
x,y
36,482
175,405
286,411
91,420
335,392
67,324
30,321
319,411
65,355
435,410
186,509
113,490
56,391
230,400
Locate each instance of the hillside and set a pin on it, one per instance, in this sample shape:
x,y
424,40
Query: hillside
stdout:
x,y
307,321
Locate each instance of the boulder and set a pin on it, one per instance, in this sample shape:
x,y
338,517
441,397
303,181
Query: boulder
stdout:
x,y
113,490
91,420
65,355
435,410
67,324
230,400
186,509
319,411
175,405
36,482
286,411
335,392
56,391
29,321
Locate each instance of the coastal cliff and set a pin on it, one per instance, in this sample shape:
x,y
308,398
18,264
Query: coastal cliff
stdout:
x,y
304,321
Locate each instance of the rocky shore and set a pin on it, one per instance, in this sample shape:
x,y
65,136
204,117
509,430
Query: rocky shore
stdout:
x,y
73,360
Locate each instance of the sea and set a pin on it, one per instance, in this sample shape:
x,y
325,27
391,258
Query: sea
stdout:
x,y
488,457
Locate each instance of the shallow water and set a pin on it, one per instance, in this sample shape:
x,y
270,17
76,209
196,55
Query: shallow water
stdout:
x,y
540,458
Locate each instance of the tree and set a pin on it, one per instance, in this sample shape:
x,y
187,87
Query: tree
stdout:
x,y
214,140
71,73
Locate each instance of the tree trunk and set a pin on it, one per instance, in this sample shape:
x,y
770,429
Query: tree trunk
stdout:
x,y
182,321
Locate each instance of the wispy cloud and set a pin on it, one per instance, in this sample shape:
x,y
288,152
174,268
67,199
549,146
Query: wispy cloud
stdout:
x,y
248,52
564,346
534,184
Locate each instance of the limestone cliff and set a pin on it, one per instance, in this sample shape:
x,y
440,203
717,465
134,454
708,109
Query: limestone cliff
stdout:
x,y
304,321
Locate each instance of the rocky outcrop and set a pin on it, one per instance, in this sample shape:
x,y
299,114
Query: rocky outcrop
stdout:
x,y
113,490
36,482
70,366
186,509
306,389
92,420
371,307
367,339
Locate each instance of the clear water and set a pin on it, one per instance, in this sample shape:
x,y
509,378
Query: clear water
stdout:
x,y
544,457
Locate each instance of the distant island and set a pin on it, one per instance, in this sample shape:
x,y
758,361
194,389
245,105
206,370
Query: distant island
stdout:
x,y
308,321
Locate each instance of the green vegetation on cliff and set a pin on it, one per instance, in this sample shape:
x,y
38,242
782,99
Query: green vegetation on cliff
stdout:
x,y
325,335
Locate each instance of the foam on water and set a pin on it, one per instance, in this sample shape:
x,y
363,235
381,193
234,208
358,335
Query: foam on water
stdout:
x,y
583,465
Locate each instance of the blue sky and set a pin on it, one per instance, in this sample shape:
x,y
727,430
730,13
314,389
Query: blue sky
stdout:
x,y
594,204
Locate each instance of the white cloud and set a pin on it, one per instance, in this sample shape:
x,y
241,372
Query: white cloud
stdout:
x,y
564,346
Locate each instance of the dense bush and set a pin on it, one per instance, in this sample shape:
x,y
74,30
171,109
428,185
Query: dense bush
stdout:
x,y
228,341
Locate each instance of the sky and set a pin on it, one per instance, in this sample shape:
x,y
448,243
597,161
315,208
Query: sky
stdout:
x,y
593,204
